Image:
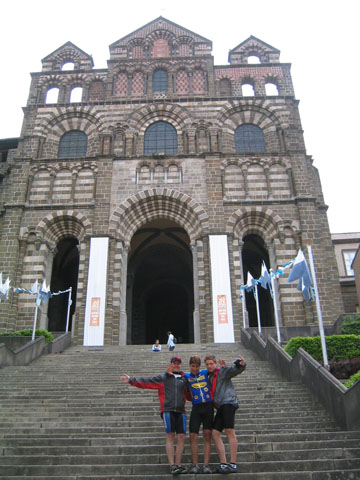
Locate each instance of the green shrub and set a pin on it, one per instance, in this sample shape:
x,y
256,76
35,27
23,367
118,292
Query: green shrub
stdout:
x,y
339,347
351,325
28,333
353,379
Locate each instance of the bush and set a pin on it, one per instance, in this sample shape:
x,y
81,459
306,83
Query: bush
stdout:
x,y
351,325
339,347
353,379
28,333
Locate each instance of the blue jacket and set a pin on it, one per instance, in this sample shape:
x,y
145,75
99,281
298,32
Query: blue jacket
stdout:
x,y
199,387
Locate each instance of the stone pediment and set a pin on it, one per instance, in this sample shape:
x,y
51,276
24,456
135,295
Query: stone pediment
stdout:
x,y
67,53
160,38
253,46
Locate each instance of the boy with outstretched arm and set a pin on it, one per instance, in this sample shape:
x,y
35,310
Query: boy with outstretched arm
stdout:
x,y
225,401
173,392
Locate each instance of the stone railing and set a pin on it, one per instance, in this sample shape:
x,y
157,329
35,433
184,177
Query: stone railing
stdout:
x,y
15,351
341,402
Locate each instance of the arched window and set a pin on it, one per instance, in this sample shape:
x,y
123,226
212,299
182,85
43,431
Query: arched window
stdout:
x,y
68,66
271,89
160,137
253,59
52,95
76,95
247,90
249,138
73,144
160,81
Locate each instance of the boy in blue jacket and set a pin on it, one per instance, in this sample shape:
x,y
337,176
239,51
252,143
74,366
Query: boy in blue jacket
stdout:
x,y
225,401
202,413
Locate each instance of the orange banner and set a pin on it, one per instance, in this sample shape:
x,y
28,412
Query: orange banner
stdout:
x,y
222,309
95,312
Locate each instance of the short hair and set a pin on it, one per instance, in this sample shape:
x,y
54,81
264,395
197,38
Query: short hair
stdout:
x,y
195,359
210,356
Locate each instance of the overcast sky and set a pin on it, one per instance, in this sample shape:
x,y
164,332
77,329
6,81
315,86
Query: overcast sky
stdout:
x,y
320,38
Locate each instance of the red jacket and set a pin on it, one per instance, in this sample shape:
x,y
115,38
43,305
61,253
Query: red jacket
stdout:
x,y
173,390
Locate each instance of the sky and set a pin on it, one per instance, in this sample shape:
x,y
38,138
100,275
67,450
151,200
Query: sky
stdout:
x,y
320,38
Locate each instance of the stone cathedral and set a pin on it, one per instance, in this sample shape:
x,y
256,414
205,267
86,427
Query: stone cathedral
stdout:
x,y
152,188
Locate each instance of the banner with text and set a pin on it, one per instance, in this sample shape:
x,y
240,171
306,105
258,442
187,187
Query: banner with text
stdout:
x,y
96,292
221,290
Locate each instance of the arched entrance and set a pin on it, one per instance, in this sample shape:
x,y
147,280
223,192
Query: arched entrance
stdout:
x,y
254,252
64,275
160,294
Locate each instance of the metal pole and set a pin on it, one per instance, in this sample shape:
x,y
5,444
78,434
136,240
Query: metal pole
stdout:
x,y
68,310
257,307
244,308
318,308
35,313
272,278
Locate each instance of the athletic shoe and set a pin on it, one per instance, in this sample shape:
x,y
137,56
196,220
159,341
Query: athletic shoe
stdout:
x,y
206,469
233,466
224,468
195,469
177,469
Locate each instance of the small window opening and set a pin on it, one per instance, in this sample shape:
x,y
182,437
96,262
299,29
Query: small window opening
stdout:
x,y
76,95
271,89
252,59
68,66
52,95
247,90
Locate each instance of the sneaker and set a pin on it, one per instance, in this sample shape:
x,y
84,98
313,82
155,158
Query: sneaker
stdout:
x,y
224,468
233,466
195,469
177,469
206,469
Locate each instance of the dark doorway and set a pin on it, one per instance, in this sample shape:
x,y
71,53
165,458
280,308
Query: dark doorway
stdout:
x,y
64,275
254,252
160,284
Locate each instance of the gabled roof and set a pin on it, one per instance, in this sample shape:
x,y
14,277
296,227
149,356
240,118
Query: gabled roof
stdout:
x,y
65,47
161,23
254,41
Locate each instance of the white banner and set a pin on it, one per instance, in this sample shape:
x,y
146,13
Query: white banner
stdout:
x,y
221,290
96,292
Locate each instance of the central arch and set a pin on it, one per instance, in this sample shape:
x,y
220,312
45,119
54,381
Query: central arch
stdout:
x,y
171,213
160,284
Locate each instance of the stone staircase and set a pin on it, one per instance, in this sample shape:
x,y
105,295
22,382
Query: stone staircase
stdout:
x,y
68,417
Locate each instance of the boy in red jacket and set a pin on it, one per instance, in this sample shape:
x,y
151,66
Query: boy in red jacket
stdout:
x,y
173,392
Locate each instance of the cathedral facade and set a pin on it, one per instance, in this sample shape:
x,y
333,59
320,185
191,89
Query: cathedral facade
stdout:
x,y
152,188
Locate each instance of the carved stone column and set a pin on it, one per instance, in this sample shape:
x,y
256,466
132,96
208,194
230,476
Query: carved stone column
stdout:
x,y
196,314
123,315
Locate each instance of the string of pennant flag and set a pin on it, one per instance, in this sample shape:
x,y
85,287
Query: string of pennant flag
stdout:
x,y
43,293
299,272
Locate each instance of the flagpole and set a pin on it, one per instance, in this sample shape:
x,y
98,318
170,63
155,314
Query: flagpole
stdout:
x,y
318,308
244,308
257,308
35,313
68,310
277,323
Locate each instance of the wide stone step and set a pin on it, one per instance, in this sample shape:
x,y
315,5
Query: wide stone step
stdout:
x,y
153,458
321,465
85,424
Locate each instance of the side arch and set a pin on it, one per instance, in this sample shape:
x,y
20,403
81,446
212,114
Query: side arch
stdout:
x,y
260,221
62,223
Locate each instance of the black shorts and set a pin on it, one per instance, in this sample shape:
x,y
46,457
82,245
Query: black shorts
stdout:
x,y
201,413
174,422
225,417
